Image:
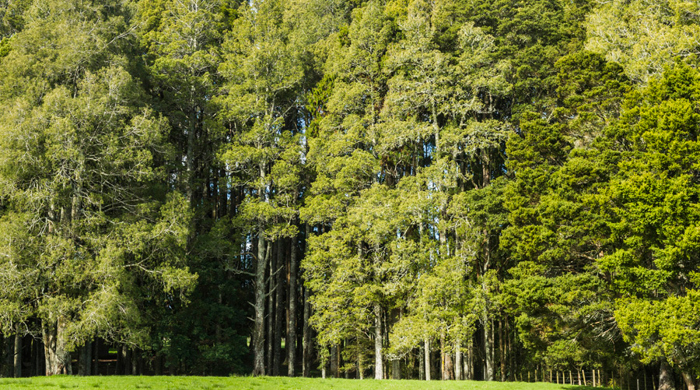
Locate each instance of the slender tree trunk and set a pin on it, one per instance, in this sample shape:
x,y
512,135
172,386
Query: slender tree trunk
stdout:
x,y
84,361
421,366
378,343
426,343
334,361
488,353
292,310
306,329
272,281
8,357
360,357
18,352
306,342
396,369
259,330
279,308
190,156
502,349
96,357
119,366
458,361
56,355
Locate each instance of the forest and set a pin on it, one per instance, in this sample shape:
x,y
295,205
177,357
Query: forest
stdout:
x,y
493,190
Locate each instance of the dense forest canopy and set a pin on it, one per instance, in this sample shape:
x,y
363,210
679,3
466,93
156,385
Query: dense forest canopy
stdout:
x,y
426,189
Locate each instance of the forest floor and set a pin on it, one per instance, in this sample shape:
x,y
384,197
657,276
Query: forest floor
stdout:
x,y
261,383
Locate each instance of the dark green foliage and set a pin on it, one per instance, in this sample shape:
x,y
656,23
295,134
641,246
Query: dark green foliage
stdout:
x,y
195,181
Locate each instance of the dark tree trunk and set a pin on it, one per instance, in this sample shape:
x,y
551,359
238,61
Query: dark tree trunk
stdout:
x,y
96,357
272,281
292,309
85,360
279,308
306,331
8,358
119,367
396,369
259,326
126,356
18,352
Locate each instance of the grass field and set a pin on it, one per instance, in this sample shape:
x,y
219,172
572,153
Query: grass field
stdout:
x,y
263,383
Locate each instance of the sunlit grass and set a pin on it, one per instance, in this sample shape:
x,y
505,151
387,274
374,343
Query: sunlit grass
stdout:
x,y
260,383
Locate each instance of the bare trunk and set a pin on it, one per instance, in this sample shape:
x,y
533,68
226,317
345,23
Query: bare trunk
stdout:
x,y
259,330
334,361
488,370
396,369
96,357
292,309
85,360
306,341
57,357
306,331
378,342
689,379
126,360
18,352
272,281
426,354
360,369
190,157
279,309
502,350
458,361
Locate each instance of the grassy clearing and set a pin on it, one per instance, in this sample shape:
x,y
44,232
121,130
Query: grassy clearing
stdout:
x,y
264,383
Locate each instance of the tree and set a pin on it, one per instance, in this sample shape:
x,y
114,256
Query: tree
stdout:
x,y
650,210
80,154
261,73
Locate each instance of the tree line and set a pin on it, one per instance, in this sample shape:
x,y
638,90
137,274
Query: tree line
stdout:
x,y
426,189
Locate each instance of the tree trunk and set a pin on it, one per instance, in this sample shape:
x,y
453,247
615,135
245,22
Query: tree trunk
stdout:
x,y
279,308
85,360
502,349
396,369
190,156
689,379
306,329
126,360
96,357
421,366
334,361
378,343
488,353
18,352
8,357
259,327
306,342
458,361
426,342
57,357
272,282
292,309
360,369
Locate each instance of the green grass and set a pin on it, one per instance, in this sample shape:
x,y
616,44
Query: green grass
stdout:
x,y
261,383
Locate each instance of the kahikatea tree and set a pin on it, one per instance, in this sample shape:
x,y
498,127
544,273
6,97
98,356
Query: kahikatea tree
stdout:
x,y
80,152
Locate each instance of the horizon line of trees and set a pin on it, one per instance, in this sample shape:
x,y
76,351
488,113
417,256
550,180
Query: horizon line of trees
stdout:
x,y
425,189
